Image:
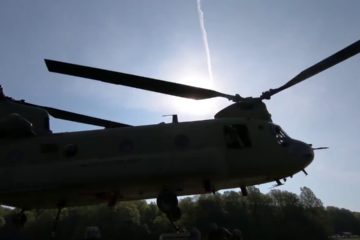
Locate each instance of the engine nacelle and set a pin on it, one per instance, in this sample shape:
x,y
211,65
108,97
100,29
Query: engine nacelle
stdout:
x,y
18,119
15,126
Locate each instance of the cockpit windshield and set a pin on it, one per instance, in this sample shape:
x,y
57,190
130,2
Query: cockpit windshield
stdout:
x,y
281,136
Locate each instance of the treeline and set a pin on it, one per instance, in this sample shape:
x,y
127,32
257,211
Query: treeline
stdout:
x,y
276,215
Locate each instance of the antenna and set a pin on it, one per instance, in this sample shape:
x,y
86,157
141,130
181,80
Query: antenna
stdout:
x,y
174,117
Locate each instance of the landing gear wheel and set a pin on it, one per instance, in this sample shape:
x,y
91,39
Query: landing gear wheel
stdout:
x,y
174,215
167,201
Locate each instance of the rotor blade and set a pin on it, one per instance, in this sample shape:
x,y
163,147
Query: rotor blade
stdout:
x,y
334,59
134,81
75,117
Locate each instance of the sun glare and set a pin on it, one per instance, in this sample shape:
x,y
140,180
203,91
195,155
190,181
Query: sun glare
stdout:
x,y
190,106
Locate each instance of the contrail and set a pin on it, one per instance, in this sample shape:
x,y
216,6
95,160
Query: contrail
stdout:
x,y
205,38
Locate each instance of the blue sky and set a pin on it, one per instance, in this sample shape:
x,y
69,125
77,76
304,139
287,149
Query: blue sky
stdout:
x,y
254,45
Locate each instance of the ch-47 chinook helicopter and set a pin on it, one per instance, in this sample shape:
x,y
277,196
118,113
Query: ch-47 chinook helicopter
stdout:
x,y
240,147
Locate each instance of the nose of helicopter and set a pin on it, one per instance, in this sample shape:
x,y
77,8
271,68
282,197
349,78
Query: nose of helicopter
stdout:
x,y
307,153
303,152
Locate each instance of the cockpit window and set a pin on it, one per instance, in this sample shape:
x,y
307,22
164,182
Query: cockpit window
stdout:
x,y
237,136
281,136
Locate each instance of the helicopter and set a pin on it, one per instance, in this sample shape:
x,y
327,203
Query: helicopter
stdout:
x,y
240,147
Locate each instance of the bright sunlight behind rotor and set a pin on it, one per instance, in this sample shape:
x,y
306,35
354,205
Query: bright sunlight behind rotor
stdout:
x,y
190,106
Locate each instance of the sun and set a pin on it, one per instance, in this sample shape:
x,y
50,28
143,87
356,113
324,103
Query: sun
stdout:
x,y
190,106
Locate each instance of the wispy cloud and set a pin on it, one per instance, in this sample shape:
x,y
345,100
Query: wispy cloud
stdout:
x,y
205,38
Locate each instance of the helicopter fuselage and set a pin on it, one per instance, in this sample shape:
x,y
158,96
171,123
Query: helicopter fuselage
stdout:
x,y
129,163
240,147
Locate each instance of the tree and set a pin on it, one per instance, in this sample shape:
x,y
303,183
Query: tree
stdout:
x,y
343,220
284,198
308,199
277,215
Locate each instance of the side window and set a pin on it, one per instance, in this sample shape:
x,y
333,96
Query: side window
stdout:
x,y
70,150
237,136
281,136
